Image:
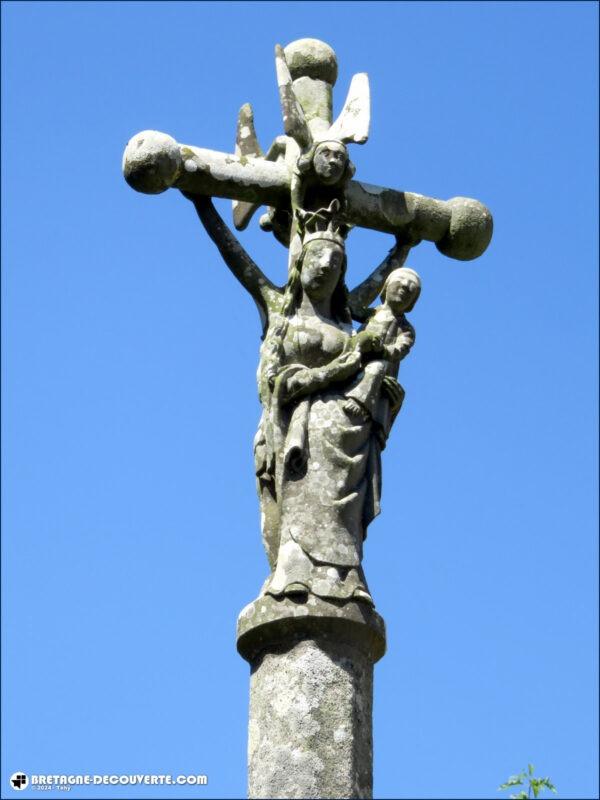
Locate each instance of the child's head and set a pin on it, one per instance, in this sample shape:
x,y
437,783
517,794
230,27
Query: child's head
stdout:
x,y
401,290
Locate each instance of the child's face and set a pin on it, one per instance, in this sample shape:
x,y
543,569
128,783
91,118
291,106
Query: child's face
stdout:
x,y
400,293
329,162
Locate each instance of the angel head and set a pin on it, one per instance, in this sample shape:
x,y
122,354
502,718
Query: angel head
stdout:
x,y
328,162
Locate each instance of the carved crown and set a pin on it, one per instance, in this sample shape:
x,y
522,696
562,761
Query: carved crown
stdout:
x,y
326,223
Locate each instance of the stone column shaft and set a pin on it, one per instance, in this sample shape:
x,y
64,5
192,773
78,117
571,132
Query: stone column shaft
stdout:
x,y
311,697
310,732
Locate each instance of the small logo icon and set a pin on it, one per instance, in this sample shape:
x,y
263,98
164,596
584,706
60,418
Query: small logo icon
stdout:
x,y
18,780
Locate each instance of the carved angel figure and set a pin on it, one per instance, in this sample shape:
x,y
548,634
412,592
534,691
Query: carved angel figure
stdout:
x,y
316,154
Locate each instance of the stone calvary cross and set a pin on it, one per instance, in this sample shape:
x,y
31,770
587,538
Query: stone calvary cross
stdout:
x,y
153,162
329,395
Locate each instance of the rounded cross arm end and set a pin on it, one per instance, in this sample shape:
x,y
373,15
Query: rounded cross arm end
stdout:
x,y
470,229
152,162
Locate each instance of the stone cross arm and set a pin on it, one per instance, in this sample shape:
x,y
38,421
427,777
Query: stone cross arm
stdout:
x,y
461,228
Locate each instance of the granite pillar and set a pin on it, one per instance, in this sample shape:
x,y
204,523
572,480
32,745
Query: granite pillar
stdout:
x,y
311,697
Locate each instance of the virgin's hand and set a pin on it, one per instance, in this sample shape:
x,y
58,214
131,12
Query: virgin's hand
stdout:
x,y
351,360
301,380
394,391
354,409
270,376
367,342
307,381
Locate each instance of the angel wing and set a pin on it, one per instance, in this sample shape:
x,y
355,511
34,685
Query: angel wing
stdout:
x,y
352,125
294,121
246,144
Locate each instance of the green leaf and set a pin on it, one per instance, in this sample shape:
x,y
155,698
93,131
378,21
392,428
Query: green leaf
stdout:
x,y
514,780
531,768
548,784
535,785
520,796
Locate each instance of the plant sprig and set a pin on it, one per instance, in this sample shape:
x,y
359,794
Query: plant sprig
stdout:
x,y
534,785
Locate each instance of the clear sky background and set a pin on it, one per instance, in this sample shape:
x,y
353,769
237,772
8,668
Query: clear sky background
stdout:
x,y
130,522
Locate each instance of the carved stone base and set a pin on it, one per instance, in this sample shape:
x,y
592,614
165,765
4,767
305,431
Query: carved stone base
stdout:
x,y
311,694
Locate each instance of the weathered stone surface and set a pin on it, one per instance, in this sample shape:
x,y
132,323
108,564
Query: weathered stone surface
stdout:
x,y
310,732
311,694
152,162
469,232
352,125
266,622
462,227
312,58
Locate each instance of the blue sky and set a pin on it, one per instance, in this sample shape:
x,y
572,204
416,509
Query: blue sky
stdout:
x,y
130,522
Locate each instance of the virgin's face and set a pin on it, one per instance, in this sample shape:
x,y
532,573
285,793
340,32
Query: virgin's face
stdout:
x,y
329,162
321,269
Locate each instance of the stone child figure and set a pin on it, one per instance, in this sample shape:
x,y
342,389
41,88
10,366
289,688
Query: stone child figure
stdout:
x,y
390,336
